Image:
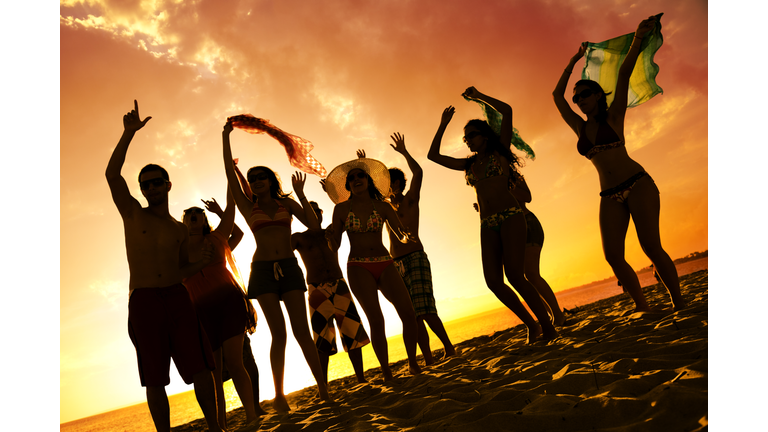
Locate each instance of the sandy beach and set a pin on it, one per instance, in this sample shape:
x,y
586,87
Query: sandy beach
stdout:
x,y
609,370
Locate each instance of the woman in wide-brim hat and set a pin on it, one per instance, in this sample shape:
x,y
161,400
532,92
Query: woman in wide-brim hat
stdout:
x,y
358,188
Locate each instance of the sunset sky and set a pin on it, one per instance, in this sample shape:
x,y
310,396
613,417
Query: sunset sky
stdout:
x,y
346,75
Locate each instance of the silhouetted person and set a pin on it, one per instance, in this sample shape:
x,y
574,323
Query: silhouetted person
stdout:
x,y
329,299
410,258
534,241
627,190
156,248
502,224
221,304
361,211
275,272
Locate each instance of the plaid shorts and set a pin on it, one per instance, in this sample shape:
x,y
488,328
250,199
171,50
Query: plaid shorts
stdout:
x,y
417,274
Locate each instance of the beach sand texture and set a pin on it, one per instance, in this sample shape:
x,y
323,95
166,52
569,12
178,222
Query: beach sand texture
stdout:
x,y
610,370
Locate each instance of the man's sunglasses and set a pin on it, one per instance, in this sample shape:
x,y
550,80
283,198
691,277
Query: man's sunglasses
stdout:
x,y
158,182
583,95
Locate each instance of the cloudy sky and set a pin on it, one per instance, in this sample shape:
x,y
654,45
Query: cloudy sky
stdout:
x,y
346,75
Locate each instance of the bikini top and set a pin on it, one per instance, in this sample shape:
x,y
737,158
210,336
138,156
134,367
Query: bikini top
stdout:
x,y
606,139
493,169
259,219
353,223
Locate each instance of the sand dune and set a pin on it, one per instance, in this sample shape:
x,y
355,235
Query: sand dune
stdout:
x,y
610,370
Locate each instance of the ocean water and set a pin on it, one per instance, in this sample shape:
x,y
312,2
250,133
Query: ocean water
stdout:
x,y
184,408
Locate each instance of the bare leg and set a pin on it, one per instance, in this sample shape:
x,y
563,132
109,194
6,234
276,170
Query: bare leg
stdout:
x,y
644,205
436,324
233,347
206,397
157,400
356,358
513,233
493,270
532,273
392,286
253,373
270,305
296,305
221,402
363,286
324,360
614,221
426,351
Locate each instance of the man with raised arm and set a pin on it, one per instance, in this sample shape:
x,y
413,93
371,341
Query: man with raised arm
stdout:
x,y
329,298
410,258
162,322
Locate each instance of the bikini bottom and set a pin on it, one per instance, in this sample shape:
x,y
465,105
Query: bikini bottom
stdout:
x,y
620,193
495,220
374,265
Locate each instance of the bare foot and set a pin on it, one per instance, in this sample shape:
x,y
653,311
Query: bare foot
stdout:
x,y
533,334
362,380
387,374
549,333
259,410
679,306
450,351
280,404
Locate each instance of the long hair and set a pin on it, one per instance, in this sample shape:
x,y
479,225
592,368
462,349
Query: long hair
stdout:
x,y
275,186
602,102
206,226
494,144
373,191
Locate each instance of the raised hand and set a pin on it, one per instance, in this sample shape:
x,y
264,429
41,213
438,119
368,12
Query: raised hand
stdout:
x,y
471,93
299,179
645,26
228,127
360,153
447,116
322,184
580,53
132,121
213,207
399,140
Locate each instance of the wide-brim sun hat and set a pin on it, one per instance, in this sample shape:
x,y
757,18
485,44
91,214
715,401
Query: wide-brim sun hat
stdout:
x,y
335,182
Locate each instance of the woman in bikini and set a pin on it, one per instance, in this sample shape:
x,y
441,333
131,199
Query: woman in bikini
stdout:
x,y
275,272
220,302
627,190
502,226
361,211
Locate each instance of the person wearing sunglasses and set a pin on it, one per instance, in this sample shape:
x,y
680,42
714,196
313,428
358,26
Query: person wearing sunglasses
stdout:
x,y
275,272
158,261
359,189
224,310
627,189
502,224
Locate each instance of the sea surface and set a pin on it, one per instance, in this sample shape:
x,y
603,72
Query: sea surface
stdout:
x,y
184,408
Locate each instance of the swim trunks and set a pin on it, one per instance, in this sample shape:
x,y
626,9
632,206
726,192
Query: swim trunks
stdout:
x,y
329,301
534,231
417,275
276,277
163,324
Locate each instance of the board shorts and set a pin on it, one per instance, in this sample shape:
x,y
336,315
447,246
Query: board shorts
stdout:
x,y
278,277
332,300
163,324
417,275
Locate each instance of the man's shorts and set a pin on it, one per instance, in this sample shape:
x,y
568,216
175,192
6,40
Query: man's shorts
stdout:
x,y
417,275
331,300
276,277
534,233
162,324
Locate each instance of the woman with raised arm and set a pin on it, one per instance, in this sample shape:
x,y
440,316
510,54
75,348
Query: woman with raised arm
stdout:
x,y
224,311
275,272
358,188
627,190
502,226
